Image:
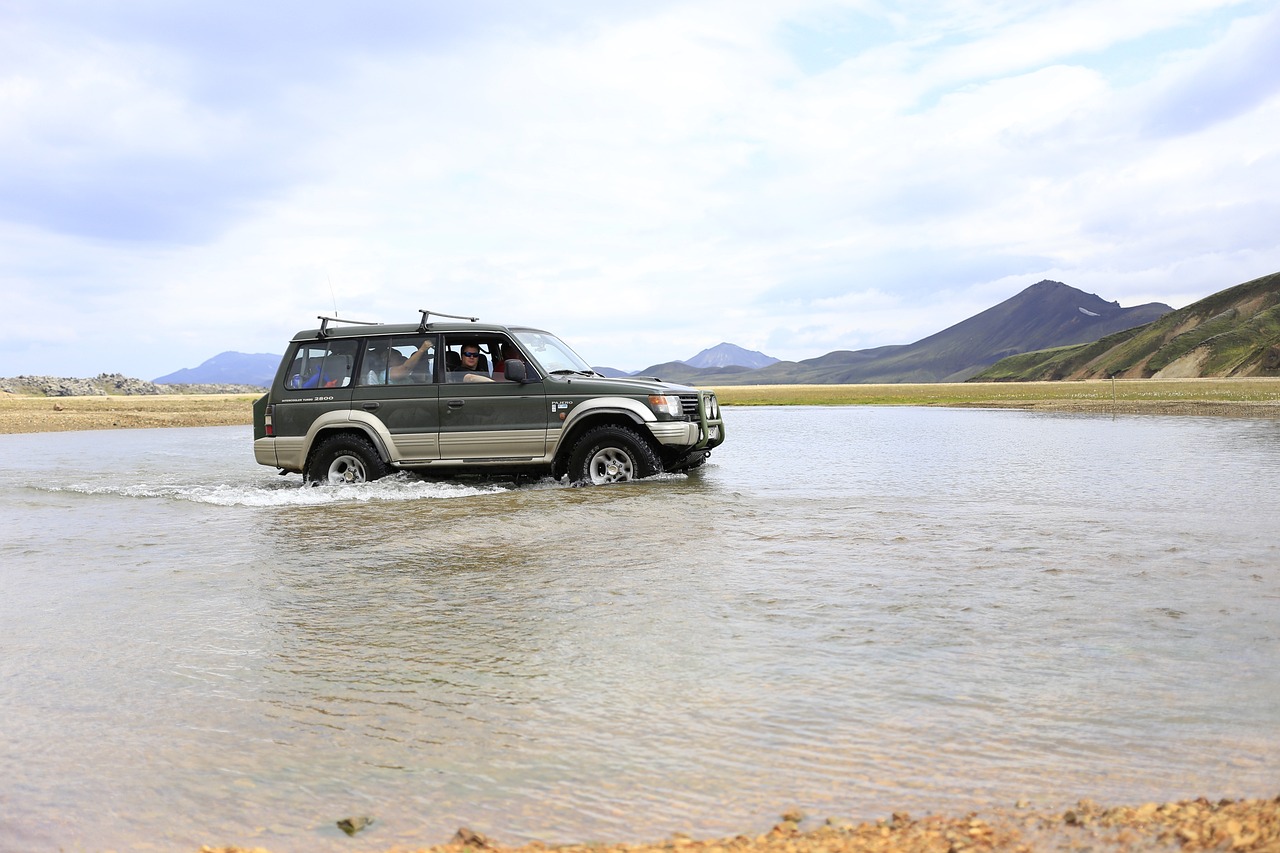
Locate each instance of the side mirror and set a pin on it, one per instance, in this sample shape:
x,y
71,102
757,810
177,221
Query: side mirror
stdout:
x,y
514,370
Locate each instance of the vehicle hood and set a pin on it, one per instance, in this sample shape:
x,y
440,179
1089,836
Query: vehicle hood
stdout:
x,y
622,385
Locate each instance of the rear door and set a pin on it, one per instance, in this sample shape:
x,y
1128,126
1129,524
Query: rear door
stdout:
x,y
397,385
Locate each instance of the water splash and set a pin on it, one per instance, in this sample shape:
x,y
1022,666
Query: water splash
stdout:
x,y
293,493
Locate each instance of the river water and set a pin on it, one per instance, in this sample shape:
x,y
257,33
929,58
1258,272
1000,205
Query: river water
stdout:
x,y
849,611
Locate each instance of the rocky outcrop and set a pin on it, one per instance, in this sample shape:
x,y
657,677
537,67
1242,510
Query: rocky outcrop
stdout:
x,y
105,384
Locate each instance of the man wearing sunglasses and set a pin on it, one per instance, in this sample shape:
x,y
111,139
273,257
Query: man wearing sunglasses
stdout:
x,y
471,369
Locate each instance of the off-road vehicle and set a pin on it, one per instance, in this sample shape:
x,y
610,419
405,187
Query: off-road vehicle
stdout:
x,y
355,401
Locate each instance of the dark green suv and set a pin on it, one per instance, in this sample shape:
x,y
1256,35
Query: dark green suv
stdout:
x,y
355,401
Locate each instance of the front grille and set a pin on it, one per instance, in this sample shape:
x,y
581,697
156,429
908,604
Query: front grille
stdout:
x,y
689,406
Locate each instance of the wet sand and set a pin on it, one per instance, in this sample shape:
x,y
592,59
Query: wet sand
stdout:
x,y
1194,825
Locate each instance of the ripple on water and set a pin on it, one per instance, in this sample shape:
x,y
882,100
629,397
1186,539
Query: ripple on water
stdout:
x,y
847,611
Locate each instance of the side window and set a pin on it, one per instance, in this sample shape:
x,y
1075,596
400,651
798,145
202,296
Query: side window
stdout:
x,y
502,351
373,364
402,360
481,358
466,359
322,364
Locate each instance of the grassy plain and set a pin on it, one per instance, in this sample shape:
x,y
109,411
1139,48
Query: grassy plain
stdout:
x,y
1251,397
118,411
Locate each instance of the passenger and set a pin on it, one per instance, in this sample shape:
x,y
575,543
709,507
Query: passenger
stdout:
x,y
471,369
403,372
505,352
375,367
322,377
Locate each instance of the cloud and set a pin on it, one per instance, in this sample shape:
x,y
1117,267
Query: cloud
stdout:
x,y
647,179
1236,75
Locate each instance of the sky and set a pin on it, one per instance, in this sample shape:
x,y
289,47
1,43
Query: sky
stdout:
x,y
645,179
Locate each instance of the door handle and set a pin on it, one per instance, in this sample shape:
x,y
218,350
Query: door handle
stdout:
x,y
370,407
457,404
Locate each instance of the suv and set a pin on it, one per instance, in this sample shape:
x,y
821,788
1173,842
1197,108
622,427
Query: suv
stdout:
x,y
358,401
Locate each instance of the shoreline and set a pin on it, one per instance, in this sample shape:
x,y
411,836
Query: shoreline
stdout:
x,y
1248,826
1246,398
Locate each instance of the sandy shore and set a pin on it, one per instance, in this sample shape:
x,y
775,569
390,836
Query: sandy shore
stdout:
x,y
1253,398
1252,826
59,414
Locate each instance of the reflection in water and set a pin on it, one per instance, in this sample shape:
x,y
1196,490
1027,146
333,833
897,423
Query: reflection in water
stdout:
x,y
849,611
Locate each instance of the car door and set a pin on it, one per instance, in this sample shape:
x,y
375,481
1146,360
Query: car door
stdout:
x,y
483,417
396,384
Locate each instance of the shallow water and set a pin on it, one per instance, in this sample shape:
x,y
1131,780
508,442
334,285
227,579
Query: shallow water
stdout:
x,y
849,611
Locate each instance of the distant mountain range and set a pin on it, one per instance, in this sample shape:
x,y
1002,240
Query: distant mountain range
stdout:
x,y
1046,314
227,368
1234,332
720,355
730,355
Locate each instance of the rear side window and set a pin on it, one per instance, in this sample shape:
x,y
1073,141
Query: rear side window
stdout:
x,y
322,364
402,360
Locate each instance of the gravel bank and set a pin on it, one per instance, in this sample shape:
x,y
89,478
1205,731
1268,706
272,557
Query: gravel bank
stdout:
x,y
1246,826
105,384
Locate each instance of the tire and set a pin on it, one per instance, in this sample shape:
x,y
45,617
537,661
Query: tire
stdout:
x,y
345,458
612,454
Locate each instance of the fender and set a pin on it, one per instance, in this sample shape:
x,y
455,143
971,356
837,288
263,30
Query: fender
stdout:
x,y
632,410
343,419
377,432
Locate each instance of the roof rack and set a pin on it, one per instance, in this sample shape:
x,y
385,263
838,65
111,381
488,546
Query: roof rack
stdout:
x,y
426,316
325,321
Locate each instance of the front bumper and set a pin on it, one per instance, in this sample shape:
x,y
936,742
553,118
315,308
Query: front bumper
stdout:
x,y
698,433
674,433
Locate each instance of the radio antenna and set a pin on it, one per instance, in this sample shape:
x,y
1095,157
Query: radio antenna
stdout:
x,y
332,295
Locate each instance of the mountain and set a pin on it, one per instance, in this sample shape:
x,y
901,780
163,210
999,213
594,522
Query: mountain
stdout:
x,y
720,356
1046,314
730,355
227,368
1235,332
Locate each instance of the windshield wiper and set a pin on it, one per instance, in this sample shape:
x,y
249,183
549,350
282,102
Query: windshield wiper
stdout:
x,y
568,372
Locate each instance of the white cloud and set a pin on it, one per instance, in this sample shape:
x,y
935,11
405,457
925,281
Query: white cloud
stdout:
x,y
648,180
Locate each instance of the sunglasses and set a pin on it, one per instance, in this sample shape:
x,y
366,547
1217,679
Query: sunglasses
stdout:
x,y
466,354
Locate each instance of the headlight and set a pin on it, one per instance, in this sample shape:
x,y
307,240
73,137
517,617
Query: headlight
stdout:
x,y
711,407
668,403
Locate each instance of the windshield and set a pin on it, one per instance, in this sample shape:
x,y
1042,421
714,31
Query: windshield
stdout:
x,y
551,353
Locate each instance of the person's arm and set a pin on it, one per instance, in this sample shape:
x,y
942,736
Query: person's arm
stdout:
x,y
400,371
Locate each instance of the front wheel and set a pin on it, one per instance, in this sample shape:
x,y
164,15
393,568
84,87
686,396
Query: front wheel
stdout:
x,y
612,454
345,459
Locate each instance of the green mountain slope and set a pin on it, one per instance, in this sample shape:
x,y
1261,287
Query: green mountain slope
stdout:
x,y
1235,332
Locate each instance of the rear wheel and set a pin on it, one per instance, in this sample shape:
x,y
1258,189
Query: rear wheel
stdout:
x,y
612,454
345,458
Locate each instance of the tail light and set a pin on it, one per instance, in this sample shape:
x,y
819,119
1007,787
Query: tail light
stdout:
x,y
267,422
